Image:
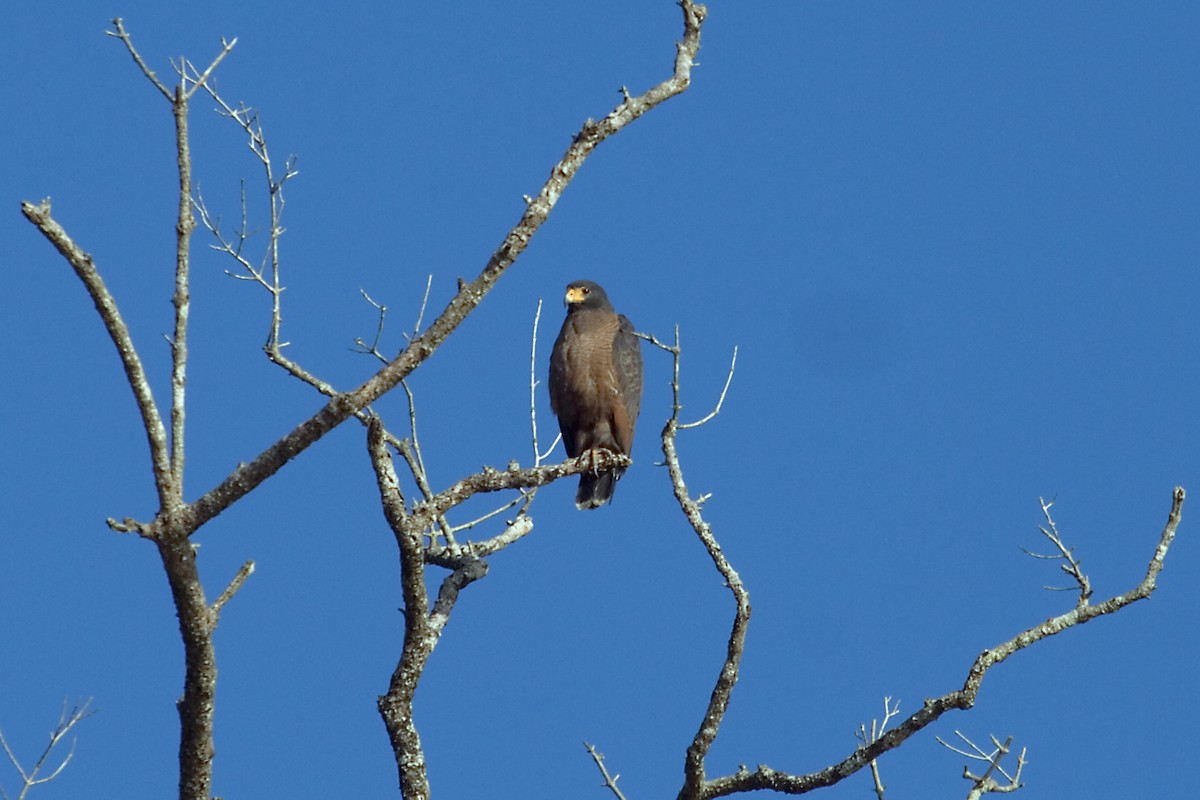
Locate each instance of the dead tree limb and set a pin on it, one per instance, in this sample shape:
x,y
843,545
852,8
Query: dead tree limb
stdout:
x,y
764,777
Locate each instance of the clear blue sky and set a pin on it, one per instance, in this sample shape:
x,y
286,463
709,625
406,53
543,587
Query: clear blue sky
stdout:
x,y
956,244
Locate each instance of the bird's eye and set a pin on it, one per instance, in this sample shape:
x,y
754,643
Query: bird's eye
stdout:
x,y
586,290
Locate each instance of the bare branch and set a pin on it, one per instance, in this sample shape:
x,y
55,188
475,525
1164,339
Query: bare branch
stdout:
x,y
421,313
452,557
181,300
1072,566
411,450
455,582
373,350
695,784
245,572
720,400
201,78
877,729
609,780
533,382
67,720
423,625
420,637
492,480
106,306
975,752
121,34
985,783
523,500
676,407
766,778
186,223
248,120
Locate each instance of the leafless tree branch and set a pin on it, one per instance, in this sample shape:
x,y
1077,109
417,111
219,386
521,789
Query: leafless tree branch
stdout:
x,y
245,572
450,557
610,781
421,314
121,34
118,331
720,400
423,625
538,455
985,783
373,349
183,232
1072,566
877,728
765,777
251,124
420,637
67,720
695,784
200,79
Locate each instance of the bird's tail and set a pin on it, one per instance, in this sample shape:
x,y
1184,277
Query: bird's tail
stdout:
x,y
596,489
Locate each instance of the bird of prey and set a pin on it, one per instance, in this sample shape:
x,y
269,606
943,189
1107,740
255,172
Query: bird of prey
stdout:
x,y
595,385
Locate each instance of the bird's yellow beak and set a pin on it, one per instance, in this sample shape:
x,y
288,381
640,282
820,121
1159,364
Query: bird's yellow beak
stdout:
x,y
575,294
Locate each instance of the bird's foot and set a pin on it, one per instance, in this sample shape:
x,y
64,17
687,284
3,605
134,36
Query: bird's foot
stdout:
x,y
593,457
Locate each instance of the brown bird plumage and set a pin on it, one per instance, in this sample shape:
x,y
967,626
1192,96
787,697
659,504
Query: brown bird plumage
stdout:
x,y
595,385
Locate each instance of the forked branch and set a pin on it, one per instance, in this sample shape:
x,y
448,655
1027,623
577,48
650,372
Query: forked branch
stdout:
x,y
890,710
764,777
985,783
34,775
694,782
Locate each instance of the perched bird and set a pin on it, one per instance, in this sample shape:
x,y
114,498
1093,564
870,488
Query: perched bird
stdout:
x,y
595,385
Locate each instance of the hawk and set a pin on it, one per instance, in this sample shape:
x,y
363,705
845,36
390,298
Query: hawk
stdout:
x,y
595,385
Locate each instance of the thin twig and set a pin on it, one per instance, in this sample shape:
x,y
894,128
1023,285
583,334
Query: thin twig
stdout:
x,y
416,465
495,512
451,559
985,783
538,455
720,400
1072,566
421,313
199,79
245,572
121,34
609,780
67,720
373,350
877,728
249,121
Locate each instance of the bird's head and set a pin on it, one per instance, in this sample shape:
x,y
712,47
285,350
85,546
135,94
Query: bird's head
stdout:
x,y
585,294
